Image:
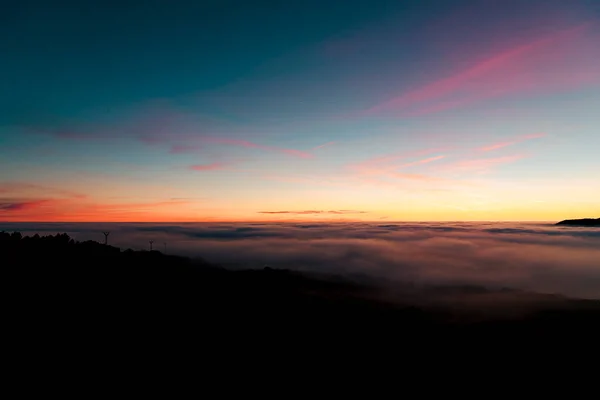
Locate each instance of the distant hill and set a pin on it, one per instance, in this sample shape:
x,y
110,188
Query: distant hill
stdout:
x,y
581,222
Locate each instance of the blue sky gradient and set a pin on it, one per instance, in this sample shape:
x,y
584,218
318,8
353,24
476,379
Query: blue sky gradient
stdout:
x,y
221,110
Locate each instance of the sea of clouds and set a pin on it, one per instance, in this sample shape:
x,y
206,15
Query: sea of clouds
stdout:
x,y
530,256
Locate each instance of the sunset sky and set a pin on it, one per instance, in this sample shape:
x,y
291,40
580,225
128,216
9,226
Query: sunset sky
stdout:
x,y
299,110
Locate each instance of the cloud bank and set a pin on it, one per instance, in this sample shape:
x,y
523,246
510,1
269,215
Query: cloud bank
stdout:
x,y
536,257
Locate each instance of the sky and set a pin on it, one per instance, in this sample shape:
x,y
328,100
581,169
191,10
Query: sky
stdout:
x,y
299,110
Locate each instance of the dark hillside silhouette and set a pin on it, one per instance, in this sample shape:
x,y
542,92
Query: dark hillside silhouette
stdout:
x,y
89,292
581,222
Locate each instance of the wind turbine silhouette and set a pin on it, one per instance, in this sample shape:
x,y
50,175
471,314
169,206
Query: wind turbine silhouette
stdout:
x,y
151,242
106,237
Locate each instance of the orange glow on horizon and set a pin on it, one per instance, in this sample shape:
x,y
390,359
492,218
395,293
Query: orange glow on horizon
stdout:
x,y
185,212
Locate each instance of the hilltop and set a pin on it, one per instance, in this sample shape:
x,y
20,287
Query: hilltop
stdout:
x,y
580,222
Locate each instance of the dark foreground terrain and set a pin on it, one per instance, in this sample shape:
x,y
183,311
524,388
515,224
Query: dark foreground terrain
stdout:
x,y
87,297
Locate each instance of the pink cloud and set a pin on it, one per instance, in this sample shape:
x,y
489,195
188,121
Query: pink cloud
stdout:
x,y
421,162
497,146
27,189
386,159
387,166
247,144
329,182
417,177
517,140
379,170
77,135
533,136
481,165
64,210
561,61
152,122
17,206
323,145
391,169
209,167
182,149
290,179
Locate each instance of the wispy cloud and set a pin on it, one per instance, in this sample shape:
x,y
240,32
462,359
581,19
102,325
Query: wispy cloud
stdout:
x,y
417,177
496,146
183,149
390,166
77,135
538,66
444,171
209,167
16,188
347,212
252,145
481,165
421,162
84,210
389,162
500,145
323,145
22,205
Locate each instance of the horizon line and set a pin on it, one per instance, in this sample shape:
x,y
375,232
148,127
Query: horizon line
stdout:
x,y
278,221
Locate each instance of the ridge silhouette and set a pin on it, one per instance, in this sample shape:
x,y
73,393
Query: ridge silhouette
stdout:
x,y
147,299
580,222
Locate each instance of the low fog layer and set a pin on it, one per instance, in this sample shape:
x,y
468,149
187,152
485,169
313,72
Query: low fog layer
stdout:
x,y
536,257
